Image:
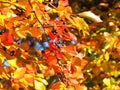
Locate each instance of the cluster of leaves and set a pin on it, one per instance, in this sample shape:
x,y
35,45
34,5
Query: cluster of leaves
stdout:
x,y
43,45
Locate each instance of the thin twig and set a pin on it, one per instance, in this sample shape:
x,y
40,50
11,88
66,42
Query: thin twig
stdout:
x,y
36,15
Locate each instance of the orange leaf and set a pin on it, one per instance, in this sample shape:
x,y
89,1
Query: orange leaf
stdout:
x,y
28,10
76,61
35,32
9,24
76,72
30,68
51,60
73,81
69,49
19,73
83,63
50,71
24,46
29,78
58,86
80,87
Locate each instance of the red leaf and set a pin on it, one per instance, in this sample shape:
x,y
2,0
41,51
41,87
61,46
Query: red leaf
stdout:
x,y
53,36
56,68
46,53
58,54
7,39
66,36
93,43
52,46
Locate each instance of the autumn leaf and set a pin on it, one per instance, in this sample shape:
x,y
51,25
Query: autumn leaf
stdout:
x,y
51,60
79,23
56,68
30,68
52,45
24,46
80,55
29,78
28,10
77,72
80,87
106,56
19,73
35,32
58,54
7,39
41,80
39,85
106,81
58,86
13,62
69,49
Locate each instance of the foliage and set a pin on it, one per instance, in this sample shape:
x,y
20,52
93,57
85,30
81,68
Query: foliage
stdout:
x,y
45,46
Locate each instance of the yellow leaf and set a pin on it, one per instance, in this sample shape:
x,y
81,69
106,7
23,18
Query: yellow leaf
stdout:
x,y
5,4
71,88
106,56
23,82
21,33
13,63
40,75
2,57
106,81
70,19
80,23
40,1
68,9
3,17
19,73
42,80
39,85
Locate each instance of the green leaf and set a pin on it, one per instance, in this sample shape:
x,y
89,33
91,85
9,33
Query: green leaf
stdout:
x,y
115,73
102,29
48,77
117,33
